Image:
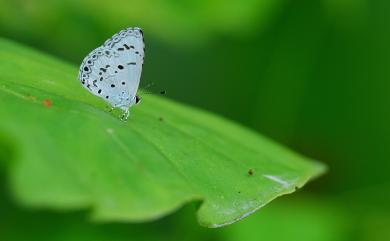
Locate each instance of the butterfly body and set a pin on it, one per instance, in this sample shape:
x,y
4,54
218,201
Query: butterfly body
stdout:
x,y
113,70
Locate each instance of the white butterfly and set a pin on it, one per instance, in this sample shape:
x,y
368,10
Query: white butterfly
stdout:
x,y
113,70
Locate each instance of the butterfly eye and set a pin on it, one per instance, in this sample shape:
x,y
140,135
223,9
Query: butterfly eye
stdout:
x,y
137,99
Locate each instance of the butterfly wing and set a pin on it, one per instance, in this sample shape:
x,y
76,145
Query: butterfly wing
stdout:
x,y
113,71
129,45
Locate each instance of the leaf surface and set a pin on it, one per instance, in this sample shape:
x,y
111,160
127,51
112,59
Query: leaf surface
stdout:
x,y
69,153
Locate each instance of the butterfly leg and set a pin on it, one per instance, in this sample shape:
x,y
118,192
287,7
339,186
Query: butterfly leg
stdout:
x,y
125,115
109,108
125,109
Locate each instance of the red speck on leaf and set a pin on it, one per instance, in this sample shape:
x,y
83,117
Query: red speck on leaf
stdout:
x,y
47,103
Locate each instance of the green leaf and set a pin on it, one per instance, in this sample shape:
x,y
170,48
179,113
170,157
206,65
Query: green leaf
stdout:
x,y
68,153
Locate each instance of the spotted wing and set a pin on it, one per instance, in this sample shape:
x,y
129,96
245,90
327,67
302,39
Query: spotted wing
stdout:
x,y
129,44
113,71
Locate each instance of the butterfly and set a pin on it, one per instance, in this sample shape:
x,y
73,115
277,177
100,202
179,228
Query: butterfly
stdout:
x,y
113,70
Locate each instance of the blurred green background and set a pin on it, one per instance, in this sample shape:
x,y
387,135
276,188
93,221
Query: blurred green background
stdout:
x,y
313,75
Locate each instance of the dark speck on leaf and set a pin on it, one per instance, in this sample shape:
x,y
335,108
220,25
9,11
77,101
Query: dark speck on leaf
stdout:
x,y
250,172
163,92
161,119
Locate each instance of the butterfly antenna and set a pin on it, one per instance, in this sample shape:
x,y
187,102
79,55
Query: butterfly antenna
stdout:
x,y
148,85
145,90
